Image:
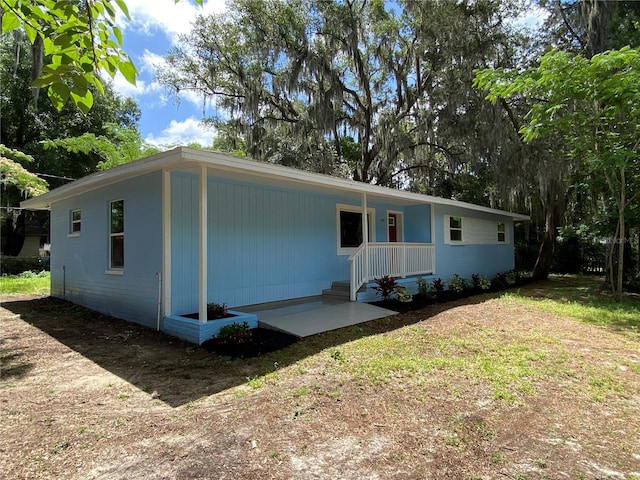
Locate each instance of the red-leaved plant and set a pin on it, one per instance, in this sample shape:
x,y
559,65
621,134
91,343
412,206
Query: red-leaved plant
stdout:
x,y
386,286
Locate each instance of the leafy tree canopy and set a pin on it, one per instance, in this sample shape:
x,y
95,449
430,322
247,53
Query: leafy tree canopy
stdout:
x,y
594,105
76,42
13,174
294,79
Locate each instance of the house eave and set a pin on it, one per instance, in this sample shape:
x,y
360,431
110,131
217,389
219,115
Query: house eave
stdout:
x,y
183,157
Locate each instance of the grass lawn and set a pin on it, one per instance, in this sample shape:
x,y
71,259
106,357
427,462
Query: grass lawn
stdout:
x,y
28,283
542,382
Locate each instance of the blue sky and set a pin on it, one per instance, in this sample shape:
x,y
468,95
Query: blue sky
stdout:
x,y
148,36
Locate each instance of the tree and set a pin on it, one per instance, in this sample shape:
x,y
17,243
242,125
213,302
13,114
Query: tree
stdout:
x,y
26,128
594,106
73,42
14,175
297,78
120,145
15,183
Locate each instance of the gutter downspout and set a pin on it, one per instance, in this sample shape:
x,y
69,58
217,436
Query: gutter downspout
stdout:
x,y
159,275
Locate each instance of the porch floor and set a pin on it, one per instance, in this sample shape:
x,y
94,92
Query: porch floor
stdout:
x,y
312,315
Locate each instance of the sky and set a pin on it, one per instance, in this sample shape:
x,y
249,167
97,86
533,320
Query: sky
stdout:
x,y
153,29
150,33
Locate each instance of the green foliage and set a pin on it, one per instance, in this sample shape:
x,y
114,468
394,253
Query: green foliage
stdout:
x,y
593,105
10,265
27,129
457,284
79,42
356,88
15,175
425,289
480,282
234,334
402,295
337,355
119,145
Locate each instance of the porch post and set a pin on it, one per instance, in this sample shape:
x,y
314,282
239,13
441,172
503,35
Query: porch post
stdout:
x,y
202,274
365,235
166,242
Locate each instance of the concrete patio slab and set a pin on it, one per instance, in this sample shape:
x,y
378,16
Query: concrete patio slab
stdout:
x,y
316,315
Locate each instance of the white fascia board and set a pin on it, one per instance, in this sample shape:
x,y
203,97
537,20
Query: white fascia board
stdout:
x,y
182,157
121,172
221,161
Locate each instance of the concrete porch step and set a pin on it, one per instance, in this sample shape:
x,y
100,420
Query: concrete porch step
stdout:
x,y
340,290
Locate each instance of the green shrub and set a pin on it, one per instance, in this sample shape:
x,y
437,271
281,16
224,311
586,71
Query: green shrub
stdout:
x,y
457,284
17,265
402,295
234,334
425,289
480,282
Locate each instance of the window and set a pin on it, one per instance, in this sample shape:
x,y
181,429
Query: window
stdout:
x,y
116,234
350,228
455,229
502,233
76,222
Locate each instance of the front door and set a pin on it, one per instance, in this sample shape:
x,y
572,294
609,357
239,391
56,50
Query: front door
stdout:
x,y
393,227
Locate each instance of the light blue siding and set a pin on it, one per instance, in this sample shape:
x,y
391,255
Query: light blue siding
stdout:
x,y
417,224
265,244
466,260
78,264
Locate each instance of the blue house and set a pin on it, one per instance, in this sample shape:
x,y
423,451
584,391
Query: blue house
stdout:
x,y
156,239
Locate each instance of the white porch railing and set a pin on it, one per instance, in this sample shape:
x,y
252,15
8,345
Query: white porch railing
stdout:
x,y
374,260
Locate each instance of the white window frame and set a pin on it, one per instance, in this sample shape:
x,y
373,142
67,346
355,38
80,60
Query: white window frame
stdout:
x,y
72,223
448,229
115,270
371,216
503,232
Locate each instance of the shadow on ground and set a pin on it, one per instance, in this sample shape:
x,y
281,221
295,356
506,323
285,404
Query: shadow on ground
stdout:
x,y
179,372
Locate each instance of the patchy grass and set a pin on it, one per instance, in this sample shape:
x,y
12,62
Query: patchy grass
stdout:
x,y
527,384
581,298
28,283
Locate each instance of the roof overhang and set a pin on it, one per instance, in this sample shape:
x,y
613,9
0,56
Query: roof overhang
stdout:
x,y
247,170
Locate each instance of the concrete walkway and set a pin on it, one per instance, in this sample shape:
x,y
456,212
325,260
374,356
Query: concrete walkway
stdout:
x,y
313,315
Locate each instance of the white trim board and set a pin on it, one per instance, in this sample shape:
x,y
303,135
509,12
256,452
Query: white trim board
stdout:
x,y
223,164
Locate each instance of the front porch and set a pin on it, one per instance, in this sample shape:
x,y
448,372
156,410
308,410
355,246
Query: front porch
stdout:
x,y
375,260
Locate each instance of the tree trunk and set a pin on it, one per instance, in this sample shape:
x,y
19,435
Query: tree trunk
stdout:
x,y
621,239
545,255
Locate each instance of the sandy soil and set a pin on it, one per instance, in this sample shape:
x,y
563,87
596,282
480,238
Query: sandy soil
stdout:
x,y
85,396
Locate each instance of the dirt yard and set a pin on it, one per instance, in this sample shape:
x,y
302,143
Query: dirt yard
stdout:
x,y
485,388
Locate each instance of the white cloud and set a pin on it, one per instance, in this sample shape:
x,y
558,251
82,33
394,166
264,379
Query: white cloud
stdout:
x,y
167,16
147,65
532,18
183,133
